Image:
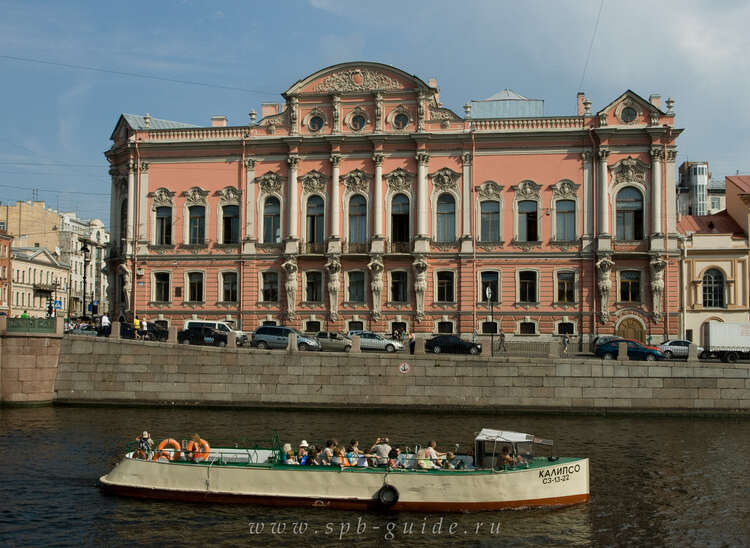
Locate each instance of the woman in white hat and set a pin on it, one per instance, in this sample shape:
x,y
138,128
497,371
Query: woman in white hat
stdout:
x,y
302,451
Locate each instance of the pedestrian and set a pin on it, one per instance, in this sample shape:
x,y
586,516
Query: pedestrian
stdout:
x,y
501,341
564,341
106,325
25,314
412,342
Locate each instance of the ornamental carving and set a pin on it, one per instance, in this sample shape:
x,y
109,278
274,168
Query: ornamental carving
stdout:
x,y
357,111
657,153
378,112
162,197
377,158
629,170
229,195
376,268
334,281
444,179
422,158
420,284
565,190
490,190
400,180
604,284
290,285
275,120
144,167
354,80
270,182
196,196
357,181
314,181
527,190
657,265
440,113
313,113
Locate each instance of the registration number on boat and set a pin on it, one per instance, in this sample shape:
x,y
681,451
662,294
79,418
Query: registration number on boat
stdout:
x,y
558,475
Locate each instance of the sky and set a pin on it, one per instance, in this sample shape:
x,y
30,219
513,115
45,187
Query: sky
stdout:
x,y
57,117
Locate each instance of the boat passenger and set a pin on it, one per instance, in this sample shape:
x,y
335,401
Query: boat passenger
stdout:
x,y
434,456
302,450
145,446
326,457
394,458
286,448
505,457
450,461
382,450
309,458
339,458
193,448
290,458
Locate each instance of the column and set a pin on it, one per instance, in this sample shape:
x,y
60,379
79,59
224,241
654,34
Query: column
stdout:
x,y
250,199
603,174
143,204
671,190
466,196
422,159
588,198
377,159
335,207
131,206
114,210
293,198
656,183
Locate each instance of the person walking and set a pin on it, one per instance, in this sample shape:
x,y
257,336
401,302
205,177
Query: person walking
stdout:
x,y
501,341
564,341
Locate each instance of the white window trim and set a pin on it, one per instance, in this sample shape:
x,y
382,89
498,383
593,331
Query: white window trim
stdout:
x,y
399,319
456,210
322,285
480,294
641,288
260,285
613,192
303,210
576,224
186,216
153,285
152,215
441,320
220,220
435,272
527,319
478,218
400,109
389,195
566,319
518,285
220,285
348,195
347,273
727,282
261,218
390,283
575,285
186,279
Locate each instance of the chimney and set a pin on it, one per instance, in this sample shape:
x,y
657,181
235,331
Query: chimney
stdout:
x,y
432,82
147,121
580,98
218,121
268,109
655,100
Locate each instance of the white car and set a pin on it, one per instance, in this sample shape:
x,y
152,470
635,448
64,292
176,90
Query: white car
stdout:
x,y
373,341
677,349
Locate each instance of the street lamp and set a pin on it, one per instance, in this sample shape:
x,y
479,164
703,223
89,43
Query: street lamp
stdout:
x,y
86,259
488,295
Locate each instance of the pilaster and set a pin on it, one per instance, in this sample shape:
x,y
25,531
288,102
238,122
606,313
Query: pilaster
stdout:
x,y
248,245
378,241
334,244
467,244
131,207
292,243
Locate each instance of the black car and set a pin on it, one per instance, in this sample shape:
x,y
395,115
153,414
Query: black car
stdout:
x,y
154,332
200,335
450,344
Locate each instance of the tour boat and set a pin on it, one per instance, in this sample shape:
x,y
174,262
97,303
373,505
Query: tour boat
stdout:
x,y
233,475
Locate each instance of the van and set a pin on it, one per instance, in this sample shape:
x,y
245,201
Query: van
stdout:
x,y
218,326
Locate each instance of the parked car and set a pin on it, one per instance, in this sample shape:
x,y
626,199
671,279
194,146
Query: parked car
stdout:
x,y
224,327
84,329
450,344
601,339
271,336
373,341
677,349
330,341
155,332
636,350
204,336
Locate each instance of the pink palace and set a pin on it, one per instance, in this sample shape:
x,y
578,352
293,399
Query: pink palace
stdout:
x,y
363,203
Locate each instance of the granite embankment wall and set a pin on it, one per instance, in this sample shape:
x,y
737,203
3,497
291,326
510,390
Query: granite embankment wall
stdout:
x,y
109,371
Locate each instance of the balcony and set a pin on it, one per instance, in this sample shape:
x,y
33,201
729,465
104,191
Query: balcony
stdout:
x,y
40,287
313,248
398,247
356,247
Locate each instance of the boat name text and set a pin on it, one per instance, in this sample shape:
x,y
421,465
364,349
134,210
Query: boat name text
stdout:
x,y
558,474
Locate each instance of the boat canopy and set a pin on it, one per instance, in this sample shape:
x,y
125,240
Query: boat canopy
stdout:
x,y
488,434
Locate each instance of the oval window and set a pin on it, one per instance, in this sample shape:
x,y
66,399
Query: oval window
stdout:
x,y
628,114
400,121
358,122
316,123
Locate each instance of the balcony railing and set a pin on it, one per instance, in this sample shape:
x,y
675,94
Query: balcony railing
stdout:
x,y
314,248
31,325
355,247
399,247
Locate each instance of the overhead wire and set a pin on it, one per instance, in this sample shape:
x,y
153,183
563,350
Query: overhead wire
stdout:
x,y
591,45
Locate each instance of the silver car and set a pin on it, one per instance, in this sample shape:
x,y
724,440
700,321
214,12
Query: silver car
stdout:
x,y
677,349
330,341
373,341
271,336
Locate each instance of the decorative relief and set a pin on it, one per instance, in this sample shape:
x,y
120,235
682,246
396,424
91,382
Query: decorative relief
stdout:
x,y
420,284
334,281
654,121
378,112
671,154
275,120
250,163
467,158
526,246
162,197
312,114
440,113
377,158
400,180
335,160
196,196
629,170
229,195
144,167
314,181
290,285
357,111
602,153
527,190
657,265
270,182
444,179
604,284
421,112
490,246
422,158
357,181
336,112
490,190
376,268
603,120
564,190
293,161
354,80
293,109
657,153
586,155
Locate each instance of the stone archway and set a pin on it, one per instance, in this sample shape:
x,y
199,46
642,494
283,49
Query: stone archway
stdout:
x,y
630,328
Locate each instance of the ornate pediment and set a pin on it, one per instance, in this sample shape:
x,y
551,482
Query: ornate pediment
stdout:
x,y
527,190
161,197
357,80
445,179
400,180
357,181
196,196
229,196
565,190
490,190
314,181
276,120
270,182
629,170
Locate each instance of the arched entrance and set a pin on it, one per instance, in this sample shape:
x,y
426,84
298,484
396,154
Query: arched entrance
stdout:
x,y
630,328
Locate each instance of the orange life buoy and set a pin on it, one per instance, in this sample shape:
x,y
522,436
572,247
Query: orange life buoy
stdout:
x,y
195,448
170,455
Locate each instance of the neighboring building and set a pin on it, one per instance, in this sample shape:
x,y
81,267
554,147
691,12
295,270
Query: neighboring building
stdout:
x,y
367,204
697,193
6,273
38,278
63,235
715,270
716,199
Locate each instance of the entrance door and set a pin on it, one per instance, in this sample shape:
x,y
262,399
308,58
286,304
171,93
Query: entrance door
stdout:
x,y
631,329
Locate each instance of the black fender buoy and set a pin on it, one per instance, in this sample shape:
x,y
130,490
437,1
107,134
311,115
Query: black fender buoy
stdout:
x,y
552,459
387,496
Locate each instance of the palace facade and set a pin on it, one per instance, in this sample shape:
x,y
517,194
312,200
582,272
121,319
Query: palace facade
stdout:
x,y
364,203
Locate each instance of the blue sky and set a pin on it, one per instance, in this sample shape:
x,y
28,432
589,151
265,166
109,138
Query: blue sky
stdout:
x,y
56,121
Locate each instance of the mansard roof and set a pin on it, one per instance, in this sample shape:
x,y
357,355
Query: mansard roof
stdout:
x,y
357,77
138,122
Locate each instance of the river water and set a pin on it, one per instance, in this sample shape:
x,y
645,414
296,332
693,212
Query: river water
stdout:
x,y
654,481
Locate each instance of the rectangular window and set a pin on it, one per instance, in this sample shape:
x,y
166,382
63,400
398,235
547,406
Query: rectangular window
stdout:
x,y
270,287
229,283
195,279
356,287
161,287
163,226
489,328
490,212
312,326
566,223
566,287
197,227
269,322
715,203
527,221
178,291
527,328
527,287
630,286
399,289
314,288
445,327
565,328
489,287
231,220
445,287
356,326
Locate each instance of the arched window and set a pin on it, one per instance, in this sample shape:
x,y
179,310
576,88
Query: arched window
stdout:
x,y
400,219
163,226
629,207
123,231
315,220
566,220
446,218
713,289
357,219
490,213
197,226
527,221
231,221
271,221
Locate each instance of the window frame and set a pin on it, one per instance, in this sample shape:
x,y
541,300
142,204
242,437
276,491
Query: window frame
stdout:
x,y
519,283
155,286
321,288
445,227
406,286
349,286
482,223
189,286
222,286
440,286
202,240
223,224
481,298
641,279
638,228
262,286
523,220
161,228
719,290
573,289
